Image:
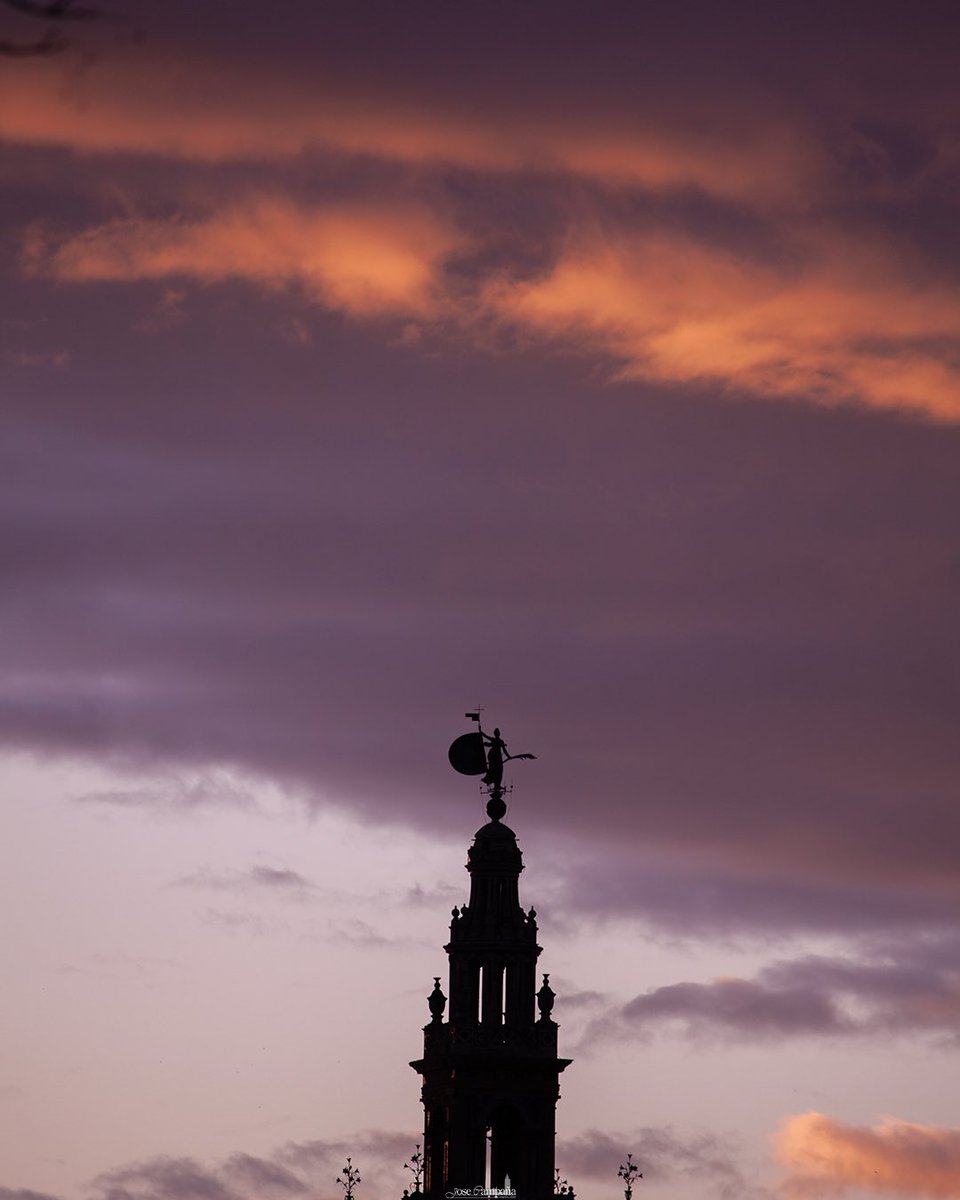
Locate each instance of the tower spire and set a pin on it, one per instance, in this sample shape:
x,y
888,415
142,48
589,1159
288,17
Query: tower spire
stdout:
x,y
491,1070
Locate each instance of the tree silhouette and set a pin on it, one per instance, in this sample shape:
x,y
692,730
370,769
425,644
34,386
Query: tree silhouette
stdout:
x,y
55,13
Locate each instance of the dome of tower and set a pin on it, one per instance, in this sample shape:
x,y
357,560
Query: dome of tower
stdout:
x,y
495,848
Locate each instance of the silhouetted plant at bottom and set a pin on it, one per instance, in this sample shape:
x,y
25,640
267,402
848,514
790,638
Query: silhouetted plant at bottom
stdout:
x,y
562,1187
414,1165
629,1171
348,1179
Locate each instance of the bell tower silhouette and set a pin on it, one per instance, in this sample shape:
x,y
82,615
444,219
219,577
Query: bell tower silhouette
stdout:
x,y
490,1071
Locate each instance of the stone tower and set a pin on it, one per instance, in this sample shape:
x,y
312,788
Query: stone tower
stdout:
x,y
490,1070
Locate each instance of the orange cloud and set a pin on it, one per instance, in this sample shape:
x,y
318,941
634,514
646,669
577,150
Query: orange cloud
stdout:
x,y
825,1157
841,322
848,325
364,259
204,112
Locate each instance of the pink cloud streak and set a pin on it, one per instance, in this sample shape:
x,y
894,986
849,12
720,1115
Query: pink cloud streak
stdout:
x,y
364,259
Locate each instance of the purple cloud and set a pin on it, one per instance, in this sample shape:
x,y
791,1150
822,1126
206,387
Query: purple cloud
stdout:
x,y
663,1154
280,881
295,1169
910,988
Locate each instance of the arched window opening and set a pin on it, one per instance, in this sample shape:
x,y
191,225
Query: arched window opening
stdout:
x,y
506,1149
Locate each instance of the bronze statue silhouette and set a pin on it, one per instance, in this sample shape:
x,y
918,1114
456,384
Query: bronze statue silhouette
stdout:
x,y
497,755
484,754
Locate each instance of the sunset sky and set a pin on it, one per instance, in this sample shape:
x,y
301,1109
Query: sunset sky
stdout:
x,y
598,364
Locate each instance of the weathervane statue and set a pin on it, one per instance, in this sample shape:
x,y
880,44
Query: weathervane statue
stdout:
x,y
479,753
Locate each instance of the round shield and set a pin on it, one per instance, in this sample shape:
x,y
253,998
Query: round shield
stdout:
x,y
467,754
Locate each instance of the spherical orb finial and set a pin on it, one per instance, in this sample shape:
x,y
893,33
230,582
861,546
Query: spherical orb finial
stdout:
x,y
496,809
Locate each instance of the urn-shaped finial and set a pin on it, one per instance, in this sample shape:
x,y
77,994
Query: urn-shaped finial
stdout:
x,y
545,999
437,1001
